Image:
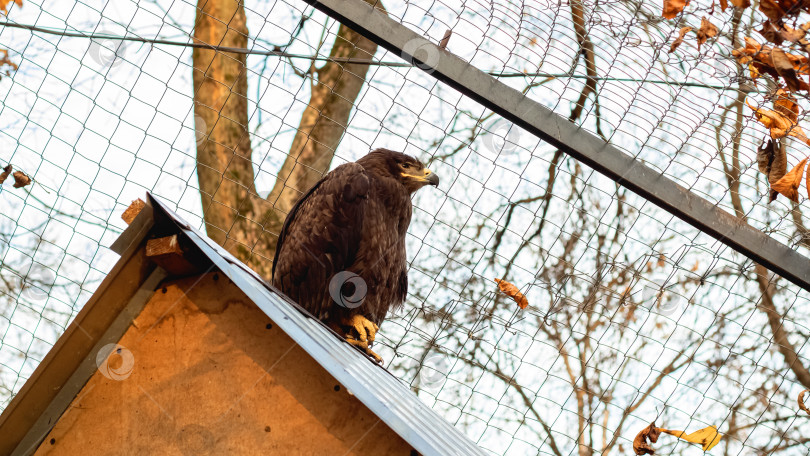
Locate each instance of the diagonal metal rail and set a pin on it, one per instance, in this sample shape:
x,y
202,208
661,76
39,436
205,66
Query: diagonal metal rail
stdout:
x,y
571,139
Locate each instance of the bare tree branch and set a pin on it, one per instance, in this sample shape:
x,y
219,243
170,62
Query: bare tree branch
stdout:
x,y
236,217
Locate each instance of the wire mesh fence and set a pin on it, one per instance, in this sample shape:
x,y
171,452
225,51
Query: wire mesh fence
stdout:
x,y
633,315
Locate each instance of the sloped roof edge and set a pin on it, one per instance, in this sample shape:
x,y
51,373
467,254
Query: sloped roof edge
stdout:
x,y
387,397
68,365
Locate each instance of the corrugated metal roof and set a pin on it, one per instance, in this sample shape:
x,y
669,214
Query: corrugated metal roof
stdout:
x,y
385,395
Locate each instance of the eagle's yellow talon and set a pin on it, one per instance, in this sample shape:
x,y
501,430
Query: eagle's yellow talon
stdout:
x,y
363,345
366,329
366,333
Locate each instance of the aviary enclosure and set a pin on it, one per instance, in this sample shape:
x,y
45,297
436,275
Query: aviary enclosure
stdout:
x,y
636,171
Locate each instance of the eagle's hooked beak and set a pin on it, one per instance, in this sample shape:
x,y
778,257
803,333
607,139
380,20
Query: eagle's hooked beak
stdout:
x,y
429,177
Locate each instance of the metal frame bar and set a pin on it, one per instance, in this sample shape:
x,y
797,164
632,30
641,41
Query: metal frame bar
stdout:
x,y
570,138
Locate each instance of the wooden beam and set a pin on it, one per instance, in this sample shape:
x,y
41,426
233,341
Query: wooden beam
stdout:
x,y
133,210
167,253
136,231
168,245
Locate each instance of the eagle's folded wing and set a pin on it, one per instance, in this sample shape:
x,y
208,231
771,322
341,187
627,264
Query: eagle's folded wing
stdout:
x,y
321,237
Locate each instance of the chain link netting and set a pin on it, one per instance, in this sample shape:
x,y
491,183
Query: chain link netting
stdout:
x,y
633,314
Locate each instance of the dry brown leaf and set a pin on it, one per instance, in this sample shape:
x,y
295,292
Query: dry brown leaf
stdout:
x,y
785,103
805,44
746,53
4,175
708,437
771,10
771,33
787,5
807,185
673,7
759,59
513,292
6,64
741,3
765,155
4,5
800,400
777,124
707,30
20,179
772,161
679,40
792,8
785,69
778,170
778,33
723,5
788,185
791,34
640,444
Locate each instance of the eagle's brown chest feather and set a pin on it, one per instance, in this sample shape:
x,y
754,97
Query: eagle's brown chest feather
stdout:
x,y
383,262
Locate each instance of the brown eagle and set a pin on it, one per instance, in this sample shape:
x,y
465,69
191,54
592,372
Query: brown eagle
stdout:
x,y
341,251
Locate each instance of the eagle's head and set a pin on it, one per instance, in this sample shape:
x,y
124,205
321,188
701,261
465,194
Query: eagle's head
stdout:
x,y
408,171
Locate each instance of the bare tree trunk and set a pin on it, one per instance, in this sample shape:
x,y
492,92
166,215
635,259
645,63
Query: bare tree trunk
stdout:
x,y
780,338
325,119
235,216
224,156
